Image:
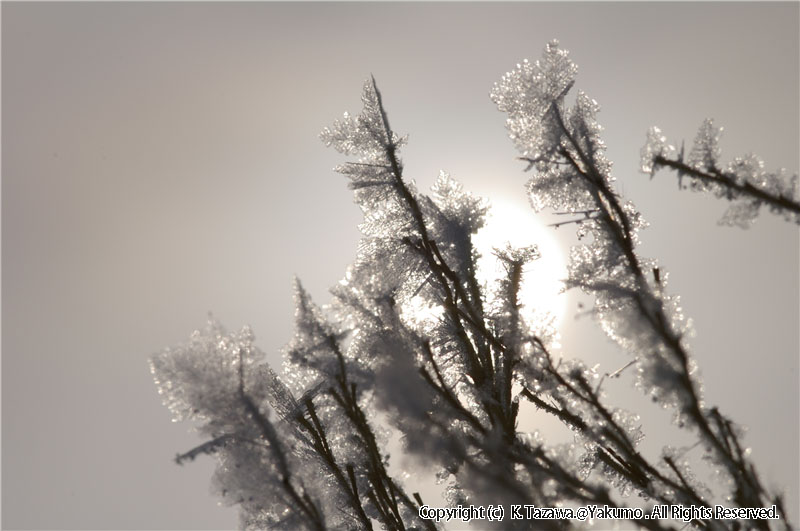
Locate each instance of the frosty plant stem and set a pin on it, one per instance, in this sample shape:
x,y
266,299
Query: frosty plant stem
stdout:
x,y
743,181
735,187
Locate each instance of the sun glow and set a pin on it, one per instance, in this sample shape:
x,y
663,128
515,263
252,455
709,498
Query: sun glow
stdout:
x,y
543,304
542,278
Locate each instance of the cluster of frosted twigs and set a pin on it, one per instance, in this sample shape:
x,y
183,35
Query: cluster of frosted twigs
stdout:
x,y
415,343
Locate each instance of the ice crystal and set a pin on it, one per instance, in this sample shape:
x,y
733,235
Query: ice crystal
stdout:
x,y
528,94
705,150
200,380
364,135
457,206
656,147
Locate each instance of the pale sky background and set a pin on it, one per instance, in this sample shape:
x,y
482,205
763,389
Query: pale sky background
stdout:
x,y
161,161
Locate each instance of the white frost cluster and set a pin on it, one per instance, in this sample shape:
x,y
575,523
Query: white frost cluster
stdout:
x,y
200,380
203,381
528,94
364,135
655,147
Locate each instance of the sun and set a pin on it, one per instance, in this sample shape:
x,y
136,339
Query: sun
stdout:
x,y
542,279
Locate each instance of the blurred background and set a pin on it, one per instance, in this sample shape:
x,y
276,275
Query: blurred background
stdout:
x,y
160,161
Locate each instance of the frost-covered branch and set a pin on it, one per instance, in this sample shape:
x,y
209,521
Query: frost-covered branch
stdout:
x,y
743,181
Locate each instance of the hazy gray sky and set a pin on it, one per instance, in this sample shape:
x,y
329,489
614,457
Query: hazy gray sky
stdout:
x,y
161,161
